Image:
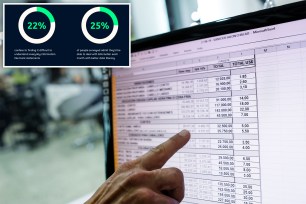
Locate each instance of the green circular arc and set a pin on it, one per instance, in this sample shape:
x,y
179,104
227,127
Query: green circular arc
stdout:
x,y
47,13
111,14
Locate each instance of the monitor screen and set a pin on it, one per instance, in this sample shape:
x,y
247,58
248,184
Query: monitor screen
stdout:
x,y
242,95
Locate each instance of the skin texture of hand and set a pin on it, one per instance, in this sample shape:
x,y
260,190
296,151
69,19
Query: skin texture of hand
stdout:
x,y
144,181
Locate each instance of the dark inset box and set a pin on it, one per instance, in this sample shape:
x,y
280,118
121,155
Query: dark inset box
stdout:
x,y
66,35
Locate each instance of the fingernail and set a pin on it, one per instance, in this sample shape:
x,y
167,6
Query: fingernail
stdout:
x,y
184,133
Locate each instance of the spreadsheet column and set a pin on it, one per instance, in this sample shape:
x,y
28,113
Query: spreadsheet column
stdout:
x,y
246,138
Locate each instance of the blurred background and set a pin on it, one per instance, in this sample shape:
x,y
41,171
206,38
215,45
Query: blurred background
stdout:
x,y
54,123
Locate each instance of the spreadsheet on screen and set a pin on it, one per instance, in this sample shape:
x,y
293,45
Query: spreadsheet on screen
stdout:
x,y
243,98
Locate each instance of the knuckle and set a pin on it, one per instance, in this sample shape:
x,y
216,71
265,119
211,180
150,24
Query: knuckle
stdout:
x,y
177,173
136,177
144,195
127,166
138,195
160,149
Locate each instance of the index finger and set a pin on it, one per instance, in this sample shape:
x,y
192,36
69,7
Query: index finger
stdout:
x,y
159,155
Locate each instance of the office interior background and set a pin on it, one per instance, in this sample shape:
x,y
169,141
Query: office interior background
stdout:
x,y
52,121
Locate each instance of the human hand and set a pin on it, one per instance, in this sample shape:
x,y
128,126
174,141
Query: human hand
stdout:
x,y
144,181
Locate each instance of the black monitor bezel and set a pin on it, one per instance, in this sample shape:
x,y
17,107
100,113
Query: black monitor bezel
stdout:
x,y
262,18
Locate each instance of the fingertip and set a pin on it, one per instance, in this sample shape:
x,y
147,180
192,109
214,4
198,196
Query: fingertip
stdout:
x,y
159,155
185,133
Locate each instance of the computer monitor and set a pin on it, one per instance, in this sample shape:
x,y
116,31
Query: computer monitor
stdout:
x,y
239,86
